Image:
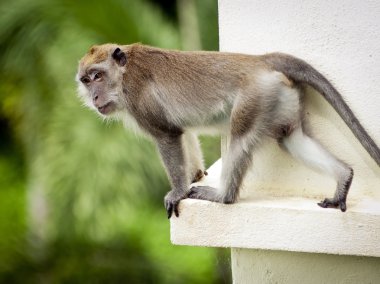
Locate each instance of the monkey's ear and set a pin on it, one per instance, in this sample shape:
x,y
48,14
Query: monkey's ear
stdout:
x,y
119,56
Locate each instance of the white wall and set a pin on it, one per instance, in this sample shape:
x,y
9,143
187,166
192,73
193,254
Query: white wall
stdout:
x,y
261,267
342,40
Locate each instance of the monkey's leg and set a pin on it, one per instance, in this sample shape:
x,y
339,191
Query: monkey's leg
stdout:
x,y
194,158
235,165
248,123
173,156
314,155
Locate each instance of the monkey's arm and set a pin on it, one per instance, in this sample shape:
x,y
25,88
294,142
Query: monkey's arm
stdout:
x,y
172,154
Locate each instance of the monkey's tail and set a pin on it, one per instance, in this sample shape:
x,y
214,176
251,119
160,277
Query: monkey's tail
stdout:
x,y
299,71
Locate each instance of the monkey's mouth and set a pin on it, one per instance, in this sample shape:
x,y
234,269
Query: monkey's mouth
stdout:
x,y
107,108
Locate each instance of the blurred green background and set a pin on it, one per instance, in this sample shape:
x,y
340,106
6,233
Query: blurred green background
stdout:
x,y
81,201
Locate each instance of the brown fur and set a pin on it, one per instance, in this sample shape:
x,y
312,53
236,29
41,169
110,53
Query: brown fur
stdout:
x,y
168,93
96,54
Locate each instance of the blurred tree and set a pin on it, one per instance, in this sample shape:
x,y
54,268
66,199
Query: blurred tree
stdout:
x,y
207,14
168,7
188,24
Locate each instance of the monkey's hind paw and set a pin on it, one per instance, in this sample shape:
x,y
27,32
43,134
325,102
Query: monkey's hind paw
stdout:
x,y
332,203
204,193
199,175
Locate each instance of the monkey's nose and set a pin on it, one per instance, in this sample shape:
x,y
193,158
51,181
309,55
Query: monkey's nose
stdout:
x,y
95,100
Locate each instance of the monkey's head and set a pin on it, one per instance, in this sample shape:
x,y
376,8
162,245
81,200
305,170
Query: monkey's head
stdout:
x,y
100,78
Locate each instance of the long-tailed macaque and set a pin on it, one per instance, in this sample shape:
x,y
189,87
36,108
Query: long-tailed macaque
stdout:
x,y
170,94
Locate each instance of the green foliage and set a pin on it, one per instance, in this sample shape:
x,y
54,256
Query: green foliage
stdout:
x,y
102,185
12,211
85,261
208,19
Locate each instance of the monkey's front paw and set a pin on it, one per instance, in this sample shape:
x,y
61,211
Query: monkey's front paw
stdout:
x,y
332,203
204,193
172,200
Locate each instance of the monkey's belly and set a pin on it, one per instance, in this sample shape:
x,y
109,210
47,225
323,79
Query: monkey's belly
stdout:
x,y
216,129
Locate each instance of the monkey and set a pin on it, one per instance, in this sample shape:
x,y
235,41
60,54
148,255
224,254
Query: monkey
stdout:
x,y
172,96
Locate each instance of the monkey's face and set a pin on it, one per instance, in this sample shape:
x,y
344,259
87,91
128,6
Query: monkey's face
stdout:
x,y
100,79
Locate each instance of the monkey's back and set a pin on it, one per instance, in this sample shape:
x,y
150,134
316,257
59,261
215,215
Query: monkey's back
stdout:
x,y
196,86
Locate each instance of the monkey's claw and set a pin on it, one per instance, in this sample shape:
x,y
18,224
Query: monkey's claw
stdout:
x,y
171,201
332,203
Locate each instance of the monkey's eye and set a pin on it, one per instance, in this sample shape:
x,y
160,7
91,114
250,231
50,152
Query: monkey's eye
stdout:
x,y
98,76
85,80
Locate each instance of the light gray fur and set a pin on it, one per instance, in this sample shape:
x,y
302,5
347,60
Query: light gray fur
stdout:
x,y
301,72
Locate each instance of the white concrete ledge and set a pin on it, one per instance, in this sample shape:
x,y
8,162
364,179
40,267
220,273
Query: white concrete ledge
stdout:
x,y
278,223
